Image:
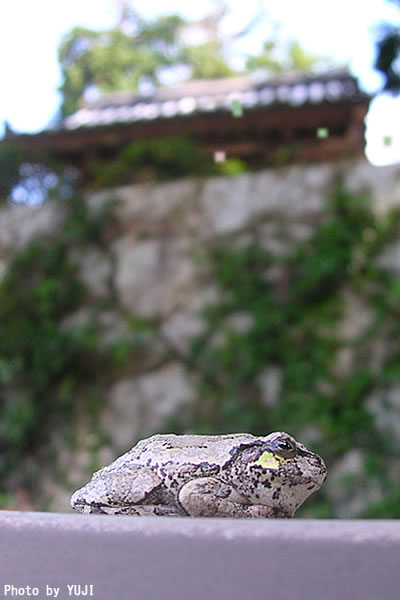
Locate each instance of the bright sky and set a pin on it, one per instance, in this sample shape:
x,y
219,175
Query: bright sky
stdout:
x,y
342,29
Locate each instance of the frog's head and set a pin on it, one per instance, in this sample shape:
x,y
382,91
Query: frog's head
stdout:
x,y
277,471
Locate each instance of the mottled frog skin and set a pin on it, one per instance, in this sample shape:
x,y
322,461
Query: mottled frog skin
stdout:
x,y
235,475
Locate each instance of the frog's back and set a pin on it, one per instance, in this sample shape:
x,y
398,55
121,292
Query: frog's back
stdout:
x,y
172,449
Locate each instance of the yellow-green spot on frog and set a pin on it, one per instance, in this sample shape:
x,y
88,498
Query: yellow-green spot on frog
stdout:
x,y
268,460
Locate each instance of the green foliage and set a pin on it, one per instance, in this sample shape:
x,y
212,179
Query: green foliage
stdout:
x,y
276,60
293,325
232,166
156,160
300,59
138,51
114,59
207,60
388,508
387,56
48,370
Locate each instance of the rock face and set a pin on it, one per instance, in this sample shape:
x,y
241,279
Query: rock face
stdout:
x,y
154,266
153,276
141,405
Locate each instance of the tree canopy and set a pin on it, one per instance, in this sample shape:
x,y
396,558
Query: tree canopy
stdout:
x,y
118,58
388,55
271,58
138,51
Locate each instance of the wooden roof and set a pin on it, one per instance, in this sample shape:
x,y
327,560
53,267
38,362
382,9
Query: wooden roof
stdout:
x,y
286,111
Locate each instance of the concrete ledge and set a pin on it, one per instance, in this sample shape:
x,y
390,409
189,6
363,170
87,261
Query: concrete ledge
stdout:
x,y
197,559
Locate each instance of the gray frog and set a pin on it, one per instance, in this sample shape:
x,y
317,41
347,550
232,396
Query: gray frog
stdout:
x,y
236,475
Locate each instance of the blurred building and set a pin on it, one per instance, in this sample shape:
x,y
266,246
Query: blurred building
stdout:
x,y
293,118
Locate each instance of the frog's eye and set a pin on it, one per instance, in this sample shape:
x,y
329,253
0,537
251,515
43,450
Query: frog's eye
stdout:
x,y
286,445
285,448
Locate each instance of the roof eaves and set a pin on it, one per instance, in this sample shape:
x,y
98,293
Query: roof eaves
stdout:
x,y
334,87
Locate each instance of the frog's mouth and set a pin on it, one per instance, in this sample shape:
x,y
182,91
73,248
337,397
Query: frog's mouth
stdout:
x,y
80,504
83,507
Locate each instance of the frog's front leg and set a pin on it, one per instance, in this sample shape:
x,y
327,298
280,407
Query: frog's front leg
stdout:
x,y
210,497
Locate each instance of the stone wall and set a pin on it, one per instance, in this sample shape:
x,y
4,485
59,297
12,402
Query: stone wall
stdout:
x,y
155,268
